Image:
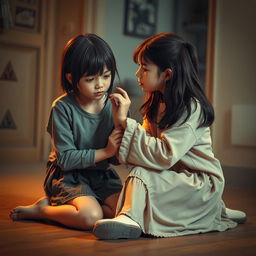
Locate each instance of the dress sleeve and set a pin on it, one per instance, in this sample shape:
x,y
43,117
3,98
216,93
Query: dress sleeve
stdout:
x,y
140,148
67,154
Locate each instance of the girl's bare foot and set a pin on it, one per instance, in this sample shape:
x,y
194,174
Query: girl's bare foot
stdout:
x,y
30,211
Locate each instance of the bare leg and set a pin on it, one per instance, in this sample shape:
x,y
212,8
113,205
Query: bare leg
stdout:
x,y
123,226
109,206
80,213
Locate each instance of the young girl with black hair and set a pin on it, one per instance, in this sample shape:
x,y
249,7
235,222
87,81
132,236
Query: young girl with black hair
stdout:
x,y
80,185
176,184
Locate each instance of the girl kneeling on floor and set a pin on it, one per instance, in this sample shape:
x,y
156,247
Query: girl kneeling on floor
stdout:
x,y
176,184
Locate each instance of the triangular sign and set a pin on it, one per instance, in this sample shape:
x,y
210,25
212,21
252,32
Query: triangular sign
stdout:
x,y
8,73
7,121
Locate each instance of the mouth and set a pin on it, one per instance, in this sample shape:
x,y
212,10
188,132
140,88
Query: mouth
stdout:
x,y
98,93
140,83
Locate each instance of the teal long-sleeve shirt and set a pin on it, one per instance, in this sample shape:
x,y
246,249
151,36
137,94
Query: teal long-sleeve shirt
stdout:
x,y
77,134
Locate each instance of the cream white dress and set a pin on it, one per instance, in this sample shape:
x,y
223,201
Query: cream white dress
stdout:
x,y
175,186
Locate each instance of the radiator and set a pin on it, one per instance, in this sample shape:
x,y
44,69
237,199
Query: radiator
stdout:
x,y
243,125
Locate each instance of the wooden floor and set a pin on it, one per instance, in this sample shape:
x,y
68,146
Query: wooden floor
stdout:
x,y
22,184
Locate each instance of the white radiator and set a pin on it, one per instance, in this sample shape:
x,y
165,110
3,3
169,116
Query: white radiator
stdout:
x,y
243,125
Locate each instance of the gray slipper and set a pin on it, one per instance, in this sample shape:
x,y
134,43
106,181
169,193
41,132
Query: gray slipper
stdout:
x,y
110,230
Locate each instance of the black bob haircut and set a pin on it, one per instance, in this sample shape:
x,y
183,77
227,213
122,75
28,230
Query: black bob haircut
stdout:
x,y
86,55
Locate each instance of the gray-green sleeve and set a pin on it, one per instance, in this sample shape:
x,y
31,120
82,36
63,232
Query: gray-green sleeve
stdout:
x,y
60,128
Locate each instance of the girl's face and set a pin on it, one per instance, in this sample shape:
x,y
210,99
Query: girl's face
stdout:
x,y
94,87
150,78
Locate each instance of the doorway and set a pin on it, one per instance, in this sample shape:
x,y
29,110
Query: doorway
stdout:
x,y
194,21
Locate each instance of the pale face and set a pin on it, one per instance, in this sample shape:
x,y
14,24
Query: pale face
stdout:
x,y
94,87
149,77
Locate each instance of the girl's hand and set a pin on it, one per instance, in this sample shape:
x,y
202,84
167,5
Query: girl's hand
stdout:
x,y
120,106
114,141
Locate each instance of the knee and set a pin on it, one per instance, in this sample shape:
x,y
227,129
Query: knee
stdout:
x,y
138,171
89,218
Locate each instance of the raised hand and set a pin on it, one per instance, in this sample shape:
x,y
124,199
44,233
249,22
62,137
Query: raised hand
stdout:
x,y
120,106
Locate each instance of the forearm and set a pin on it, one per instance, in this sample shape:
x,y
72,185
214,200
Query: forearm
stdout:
x,y
141,149
121,123
75,159
81,159
124,123
101,154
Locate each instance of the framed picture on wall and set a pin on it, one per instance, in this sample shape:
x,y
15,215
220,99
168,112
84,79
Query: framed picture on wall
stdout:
x,y
140,18
25,15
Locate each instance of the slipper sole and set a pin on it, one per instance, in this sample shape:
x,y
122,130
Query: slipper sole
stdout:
x,y
115,230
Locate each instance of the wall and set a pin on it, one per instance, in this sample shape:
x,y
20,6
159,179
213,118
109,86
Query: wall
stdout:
x,y
64,22
68,23
123,46
25,48
234,76
30,97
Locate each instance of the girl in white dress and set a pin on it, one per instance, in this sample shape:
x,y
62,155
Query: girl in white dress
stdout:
x,y
176,184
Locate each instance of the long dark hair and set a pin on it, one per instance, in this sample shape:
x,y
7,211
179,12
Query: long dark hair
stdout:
x,y
167,50
86,54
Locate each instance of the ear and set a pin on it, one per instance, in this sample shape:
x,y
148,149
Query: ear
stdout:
x,y
69,77
167,74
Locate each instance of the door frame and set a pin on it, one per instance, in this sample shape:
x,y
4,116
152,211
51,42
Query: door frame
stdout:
x,y
210,49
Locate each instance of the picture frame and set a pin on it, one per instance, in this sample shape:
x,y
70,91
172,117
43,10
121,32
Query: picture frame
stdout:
x,y
140,18
26,15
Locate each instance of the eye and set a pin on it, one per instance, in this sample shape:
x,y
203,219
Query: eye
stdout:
x,y
143,68
106,76
89,79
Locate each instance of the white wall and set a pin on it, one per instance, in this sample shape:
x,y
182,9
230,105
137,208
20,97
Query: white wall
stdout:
x,y
122,45
234,76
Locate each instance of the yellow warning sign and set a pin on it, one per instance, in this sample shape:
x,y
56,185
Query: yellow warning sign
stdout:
x,y
7,122
8,73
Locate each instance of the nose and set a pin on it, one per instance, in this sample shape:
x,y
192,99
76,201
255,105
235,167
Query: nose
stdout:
x,y
138,73
99,83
